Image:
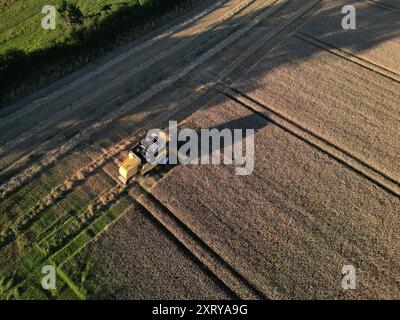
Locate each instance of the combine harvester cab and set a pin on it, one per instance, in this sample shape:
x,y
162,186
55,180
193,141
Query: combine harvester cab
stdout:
x,y
137,159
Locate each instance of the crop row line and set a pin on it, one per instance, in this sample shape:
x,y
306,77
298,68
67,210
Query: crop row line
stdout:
x,y
219,268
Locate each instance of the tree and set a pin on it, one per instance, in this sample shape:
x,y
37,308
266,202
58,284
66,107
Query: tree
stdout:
x,y
70,12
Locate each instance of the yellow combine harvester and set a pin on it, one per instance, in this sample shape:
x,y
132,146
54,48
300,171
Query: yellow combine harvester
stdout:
x,y
138,159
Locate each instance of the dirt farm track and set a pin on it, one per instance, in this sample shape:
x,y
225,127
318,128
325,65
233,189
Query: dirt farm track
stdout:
x,y
325,191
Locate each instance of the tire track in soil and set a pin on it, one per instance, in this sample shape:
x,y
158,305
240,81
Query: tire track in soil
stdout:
x,y
79,177
362,62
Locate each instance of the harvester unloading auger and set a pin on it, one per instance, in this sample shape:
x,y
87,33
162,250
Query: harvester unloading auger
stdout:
x,y
145,156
